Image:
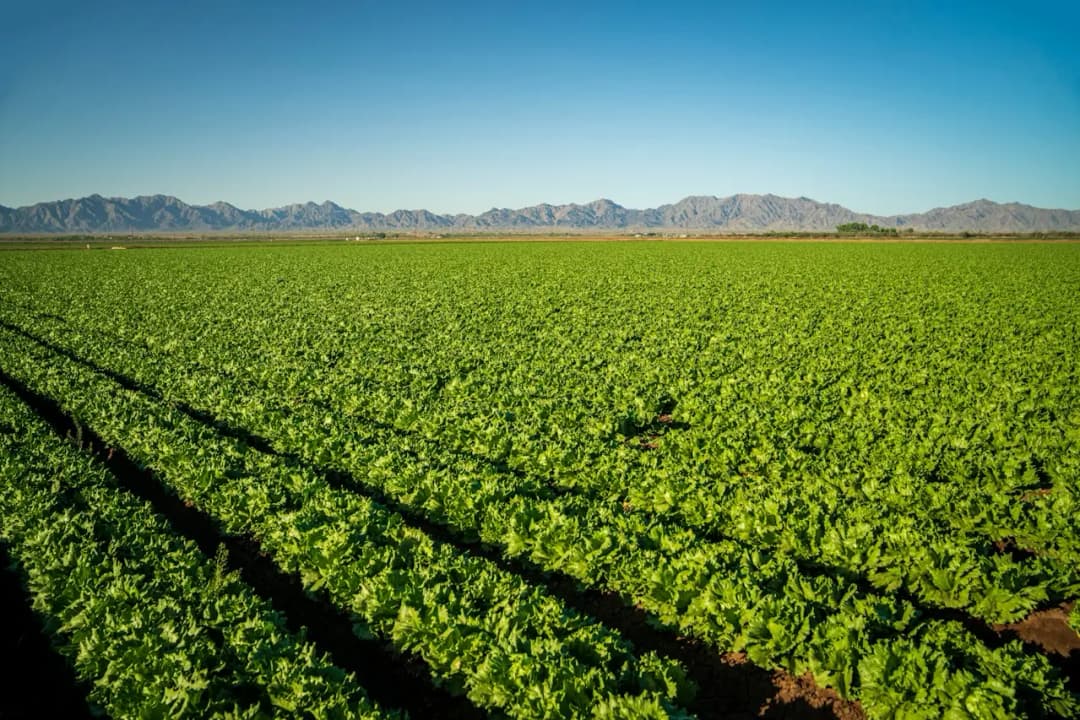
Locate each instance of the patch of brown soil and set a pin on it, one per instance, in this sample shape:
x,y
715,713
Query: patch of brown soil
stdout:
x,y
1048,629
800,697
733,688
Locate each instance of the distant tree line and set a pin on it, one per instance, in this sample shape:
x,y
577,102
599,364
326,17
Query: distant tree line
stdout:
x,y
858,227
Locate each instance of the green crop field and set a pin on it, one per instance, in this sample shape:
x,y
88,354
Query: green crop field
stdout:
x,y
613,480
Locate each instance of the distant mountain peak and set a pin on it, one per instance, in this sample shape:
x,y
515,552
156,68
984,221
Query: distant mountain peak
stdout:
x,y
736,213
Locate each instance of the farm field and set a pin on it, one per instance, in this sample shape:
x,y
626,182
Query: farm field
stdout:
x,y
614,480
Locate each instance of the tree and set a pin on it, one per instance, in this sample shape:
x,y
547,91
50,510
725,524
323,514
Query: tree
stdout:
x,y
853,227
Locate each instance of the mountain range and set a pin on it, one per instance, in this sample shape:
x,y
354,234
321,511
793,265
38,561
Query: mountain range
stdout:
x,y
734,214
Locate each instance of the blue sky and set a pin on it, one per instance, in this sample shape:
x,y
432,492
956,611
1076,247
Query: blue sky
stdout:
x,y
882,107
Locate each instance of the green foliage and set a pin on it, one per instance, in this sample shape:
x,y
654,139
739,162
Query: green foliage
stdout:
x,y
864,229
481,630
768,447
153,627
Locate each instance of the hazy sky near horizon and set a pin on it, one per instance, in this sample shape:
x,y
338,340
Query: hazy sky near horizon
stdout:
x,y
458,107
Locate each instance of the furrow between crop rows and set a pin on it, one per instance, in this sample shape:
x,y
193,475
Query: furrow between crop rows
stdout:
x,y
397,681
93,556
419,454
730,684
1014,586
39,682
855,463
813,604
480,630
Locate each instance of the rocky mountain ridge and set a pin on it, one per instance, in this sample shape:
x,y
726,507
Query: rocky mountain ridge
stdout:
x,y
737,214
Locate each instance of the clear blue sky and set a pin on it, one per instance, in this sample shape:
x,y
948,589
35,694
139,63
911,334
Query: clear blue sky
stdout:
x,y
461,106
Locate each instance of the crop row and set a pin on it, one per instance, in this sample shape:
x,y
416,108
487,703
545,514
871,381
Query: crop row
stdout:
x,y
872,647
846,417
481,630
788,443
152,625
892,550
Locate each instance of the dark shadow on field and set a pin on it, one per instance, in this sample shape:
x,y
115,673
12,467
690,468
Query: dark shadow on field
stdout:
x,y
390,678
540,488
729,686
38,682
707,667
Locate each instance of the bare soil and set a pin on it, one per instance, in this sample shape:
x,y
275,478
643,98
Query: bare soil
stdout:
x,y
1048,629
